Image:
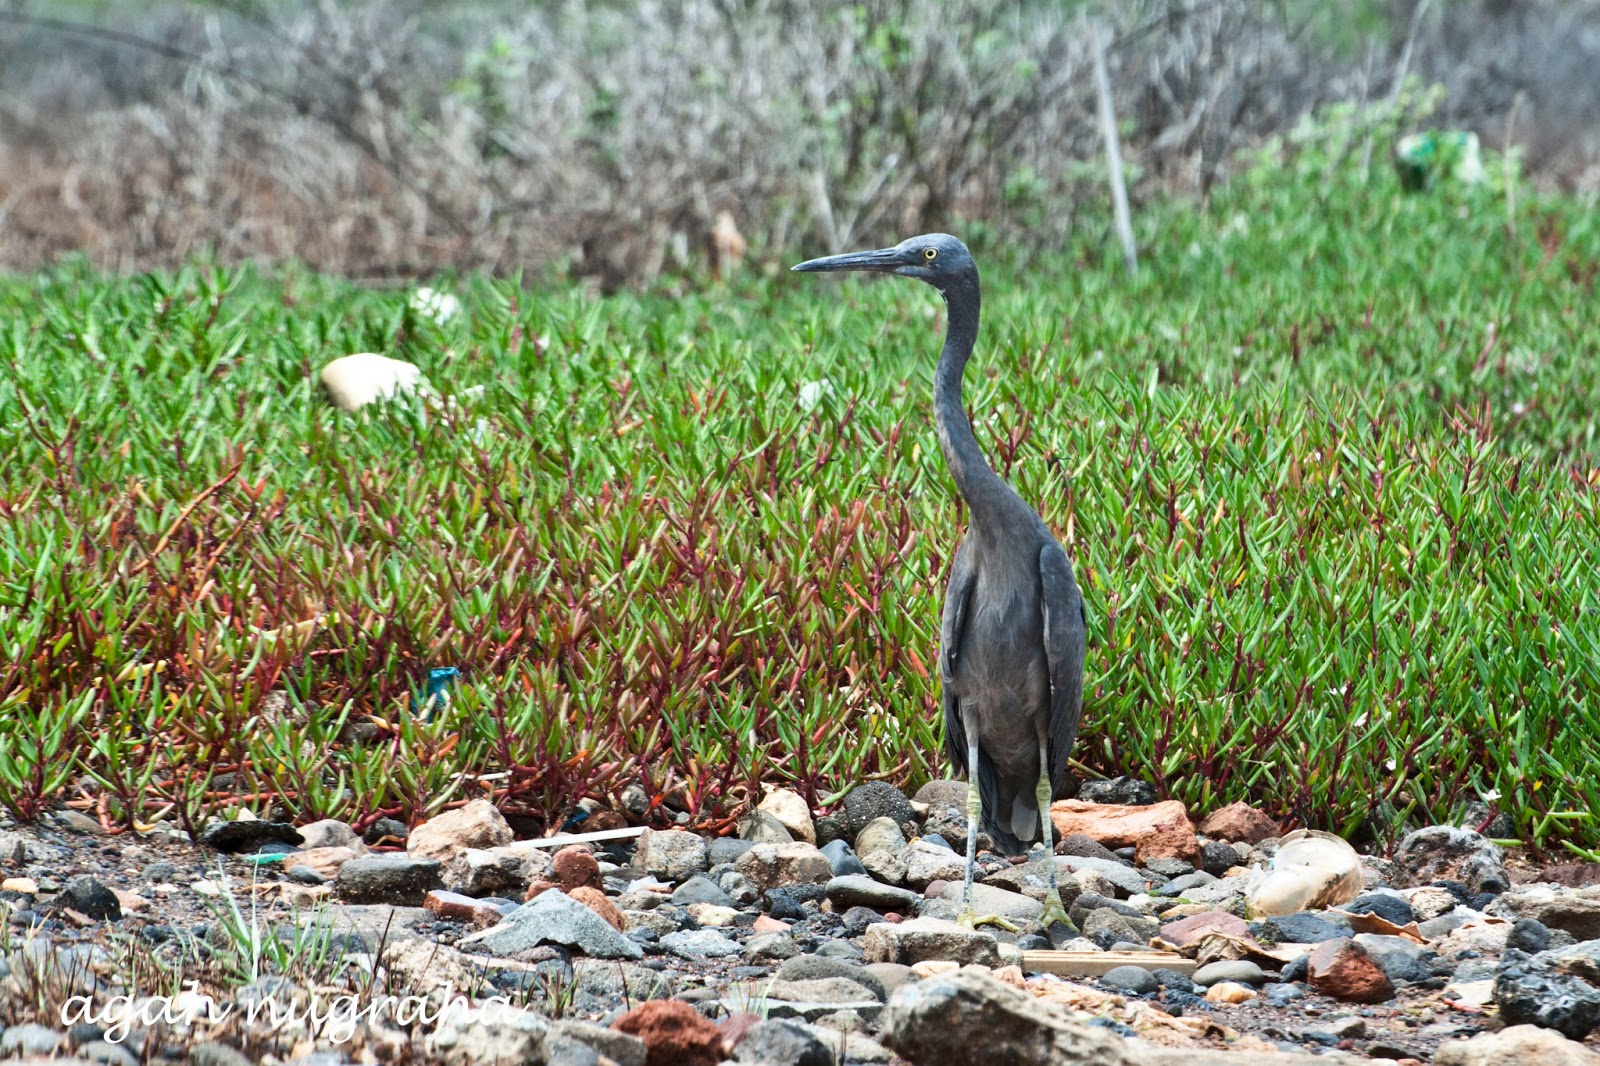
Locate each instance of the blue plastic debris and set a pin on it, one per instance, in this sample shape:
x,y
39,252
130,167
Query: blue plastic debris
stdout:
x,y
440,680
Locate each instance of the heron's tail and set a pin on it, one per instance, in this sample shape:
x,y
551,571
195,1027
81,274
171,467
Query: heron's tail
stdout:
x,y
1010,809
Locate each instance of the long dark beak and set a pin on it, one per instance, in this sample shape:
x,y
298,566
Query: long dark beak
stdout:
x,y
884,260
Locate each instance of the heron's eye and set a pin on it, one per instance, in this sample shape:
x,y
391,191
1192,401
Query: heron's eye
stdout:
x,y
930,254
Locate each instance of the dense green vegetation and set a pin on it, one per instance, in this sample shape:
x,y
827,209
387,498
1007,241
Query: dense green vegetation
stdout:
x,y
1327,470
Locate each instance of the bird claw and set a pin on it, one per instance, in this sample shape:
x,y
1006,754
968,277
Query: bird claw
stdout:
x,y
972,921
1054,914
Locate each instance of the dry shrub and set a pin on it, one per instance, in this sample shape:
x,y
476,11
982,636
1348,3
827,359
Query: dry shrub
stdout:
x,y
380,138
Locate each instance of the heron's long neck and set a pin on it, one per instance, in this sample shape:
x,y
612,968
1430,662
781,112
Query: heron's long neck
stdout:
x,y
987,496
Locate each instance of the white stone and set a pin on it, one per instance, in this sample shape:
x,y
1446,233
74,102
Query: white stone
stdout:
x,y
787,806
353,381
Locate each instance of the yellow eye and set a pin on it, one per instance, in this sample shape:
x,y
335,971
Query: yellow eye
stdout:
x,y
930,253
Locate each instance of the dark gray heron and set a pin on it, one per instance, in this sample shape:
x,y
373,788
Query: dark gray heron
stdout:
x,y
1012,636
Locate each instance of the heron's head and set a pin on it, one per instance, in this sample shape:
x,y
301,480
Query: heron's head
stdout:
x,y
937,258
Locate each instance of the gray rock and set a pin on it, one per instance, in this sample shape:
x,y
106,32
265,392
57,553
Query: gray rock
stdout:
x,y
1519,1045
949,792
557,1051
1217,858
1220,894
991,899
1180,886
891,974
108,1053
1124,877
831,827
1401,960
670,855
739,888
721,850
1173,979
913,941
842,858
1302,928
783,1043
935,1023
1528,935
1241,971
785,866
402,881
331,833
926,863
1033,879
1557,989
305,875
1135,979
769,947
760,827
700,944
876,799
89,898
950,823
658,922
491,1033
880,834
1170,867
1108,928
817,967
619,1047
1087,904
621,980
1576,911
701,889
491,871
858,890
553,917
884,866
214,1054
1446,853
817,998
30,1039
1119,790
839,949
248,834
386,829
1385,905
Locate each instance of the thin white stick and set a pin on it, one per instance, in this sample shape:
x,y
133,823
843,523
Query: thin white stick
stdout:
x,y
584,838
1108,125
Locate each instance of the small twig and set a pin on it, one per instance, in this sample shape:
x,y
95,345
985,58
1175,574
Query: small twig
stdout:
x,y
1108,125
183,516
1400,70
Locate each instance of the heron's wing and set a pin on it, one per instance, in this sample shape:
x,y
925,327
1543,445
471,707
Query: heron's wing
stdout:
x,y
956,599
1065,632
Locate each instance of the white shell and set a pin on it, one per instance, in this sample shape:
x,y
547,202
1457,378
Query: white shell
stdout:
x,y
1312,870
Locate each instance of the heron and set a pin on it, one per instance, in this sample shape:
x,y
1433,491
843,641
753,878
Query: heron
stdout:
x,y
1013,629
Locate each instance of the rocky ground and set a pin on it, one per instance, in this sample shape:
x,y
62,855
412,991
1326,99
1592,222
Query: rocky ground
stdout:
x,y
665,947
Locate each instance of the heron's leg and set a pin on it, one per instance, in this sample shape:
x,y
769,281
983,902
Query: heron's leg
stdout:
x,y
1053,910
975,818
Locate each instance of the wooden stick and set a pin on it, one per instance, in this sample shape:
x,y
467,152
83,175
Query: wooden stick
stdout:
x,y
1108,126
1095,963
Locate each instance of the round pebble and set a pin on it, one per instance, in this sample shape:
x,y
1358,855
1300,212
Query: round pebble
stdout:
x,y
1135,979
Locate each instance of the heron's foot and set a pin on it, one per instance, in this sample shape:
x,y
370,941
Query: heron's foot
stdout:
x,y
972,921
1055,914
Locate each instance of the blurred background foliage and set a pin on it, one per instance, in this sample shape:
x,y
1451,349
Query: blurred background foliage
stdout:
x,y
603,138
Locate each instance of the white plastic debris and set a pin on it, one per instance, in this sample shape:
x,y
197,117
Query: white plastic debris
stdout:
x,y
439,306
1311,871
353,381
813,393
